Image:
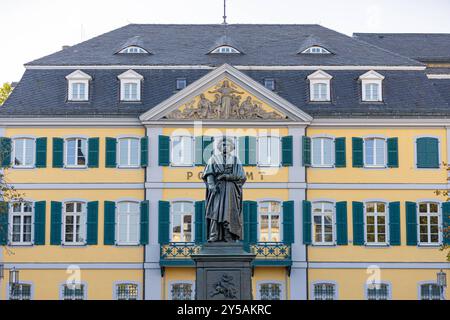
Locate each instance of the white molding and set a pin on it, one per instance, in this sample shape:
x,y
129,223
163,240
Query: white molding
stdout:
x,y
381,265
282,288
78,75
78,186
206,67
380,122
67,122
315,282
438,76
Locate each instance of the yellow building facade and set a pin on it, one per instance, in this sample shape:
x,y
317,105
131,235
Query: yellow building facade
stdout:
x,y
335,207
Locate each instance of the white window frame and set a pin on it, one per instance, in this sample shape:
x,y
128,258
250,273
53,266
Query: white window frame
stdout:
x,y
371,77
135,283
66,150
130,77
119,149
375,214
269,214
226,49
172,149
322,152
14,150
27,283
269,143
78,76
271,81
85,289
316,50
428,214
178,81
128,214
192,203
280,283
133,50
389,289
322,214
21,214
324,282
319,77
374,150
175,282
431,282
83,223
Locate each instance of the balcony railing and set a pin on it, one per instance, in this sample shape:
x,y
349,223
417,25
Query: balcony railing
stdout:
x,y
271,251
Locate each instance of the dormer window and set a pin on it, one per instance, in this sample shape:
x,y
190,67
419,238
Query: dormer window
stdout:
x,y
133,49
371,86
269,84
319,86
316,50
78,86
226,50
130,86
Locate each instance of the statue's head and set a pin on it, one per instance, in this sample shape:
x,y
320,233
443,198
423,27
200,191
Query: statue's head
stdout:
x,y
225,145
226,84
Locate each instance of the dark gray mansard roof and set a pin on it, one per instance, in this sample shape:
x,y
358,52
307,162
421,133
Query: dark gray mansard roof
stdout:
x,y
427,47
42,92
190,45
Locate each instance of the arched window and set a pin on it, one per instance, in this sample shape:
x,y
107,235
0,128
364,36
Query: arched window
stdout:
x,y
269,221
428,223
133,49
376,223
324,291
129,152
375,152
182,221
76,152
23,152
182,150
74,223
322,152
319,86
323,224
21,215
226,50
430,291
316,50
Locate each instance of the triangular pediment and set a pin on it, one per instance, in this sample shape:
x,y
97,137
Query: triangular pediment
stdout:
x,y
226,94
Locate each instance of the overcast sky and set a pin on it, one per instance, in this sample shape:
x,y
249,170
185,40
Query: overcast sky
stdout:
x,y
34,28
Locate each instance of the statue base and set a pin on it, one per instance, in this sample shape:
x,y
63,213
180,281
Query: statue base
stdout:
x,y
223,272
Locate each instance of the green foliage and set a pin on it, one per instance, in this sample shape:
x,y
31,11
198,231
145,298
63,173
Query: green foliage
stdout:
x,y
445,193
5,91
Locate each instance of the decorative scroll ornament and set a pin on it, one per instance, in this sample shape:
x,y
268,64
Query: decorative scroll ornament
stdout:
x,y
225,287
227,104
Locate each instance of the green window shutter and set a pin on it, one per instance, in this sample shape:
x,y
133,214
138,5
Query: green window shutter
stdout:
x,y
306,215
394,223
358,154
250,222
41,152
58,152
92,223
340,153
109,234
411,223
341,223
198,150
306,151
446,223
39,223
145,206
203,149
110,152
286,151
56,220
392,149
427,150
164,222
199,222
208,148
144,152
3,223
358,223
242,150
164,151
288,222
93,149
251,156
5,152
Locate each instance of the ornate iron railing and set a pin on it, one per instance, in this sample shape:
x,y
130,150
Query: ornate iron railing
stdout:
x,y
271,251
179,250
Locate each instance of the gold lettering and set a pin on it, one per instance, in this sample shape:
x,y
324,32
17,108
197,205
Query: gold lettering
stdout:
x,y
249,175
189,175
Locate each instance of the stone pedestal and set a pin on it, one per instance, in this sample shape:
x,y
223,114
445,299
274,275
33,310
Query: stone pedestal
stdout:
x,y
223,272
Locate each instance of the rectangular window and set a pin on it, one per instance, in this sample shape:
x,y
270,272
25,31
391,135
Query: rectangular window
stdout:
x,y
21,223
129,151
131,91
320,92
270,291
269,221
324,291
79,91
127,291
20,291
378,291
376,223
374,152
181,83
24,151
182,150
430,291
181,291
128,223
429,222
269,84
322,152
76,152
322,215
73,292
182,219
372,92
74,223
268,151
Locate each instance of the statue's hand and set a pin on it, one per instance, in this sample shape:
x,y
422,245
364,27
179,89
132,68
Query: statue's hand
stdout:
x,y
213,188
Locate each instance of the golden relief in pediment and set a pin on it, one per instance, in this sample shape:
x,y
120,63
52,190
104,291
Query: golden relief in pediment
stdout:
x,y
225,101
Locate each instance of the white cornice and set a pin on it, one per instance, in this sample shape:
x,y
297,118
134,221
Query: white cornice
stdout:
x,y
438,76
367,122
67,122
239,67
